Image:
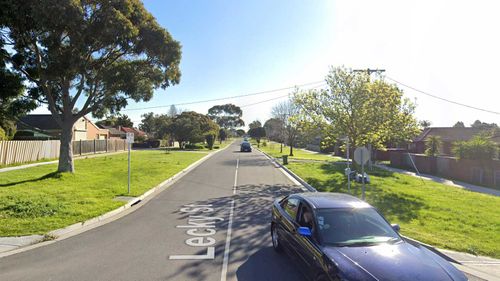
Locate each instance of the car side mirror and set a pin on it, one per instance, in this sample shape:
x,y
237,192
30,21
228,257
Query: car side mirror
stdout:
x,y
305,231
396,227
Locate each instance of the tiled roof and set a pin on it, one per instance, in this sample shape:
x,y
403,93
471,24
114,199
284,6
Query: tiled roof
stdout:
x,y
449,134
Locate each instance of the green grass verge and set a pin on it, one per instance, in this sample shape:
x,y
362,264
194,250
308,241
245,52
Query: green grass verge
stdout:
x,y
434,213
37,200
273,149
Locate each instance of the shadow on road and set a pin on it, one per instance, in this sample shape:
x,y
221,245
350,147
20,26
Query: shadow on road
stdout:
x,y
266,264
251,253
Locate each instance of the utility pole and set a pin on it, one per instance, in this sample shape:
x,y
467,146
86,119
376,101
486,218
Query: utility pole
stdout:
x,y
369,72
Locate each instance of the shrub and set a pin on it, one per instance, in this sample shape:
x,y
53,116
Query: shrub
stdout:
x,y
433,144
479,147
193,146
3,136
264,143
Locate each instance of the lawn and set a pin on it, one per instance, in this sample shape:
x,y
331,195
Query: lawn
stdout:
x,y
273,149
36,200
434,213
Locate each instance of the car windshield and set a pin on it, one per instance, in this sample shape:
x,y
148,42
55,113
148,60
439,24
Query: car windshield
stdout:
x,y
354,227
245,144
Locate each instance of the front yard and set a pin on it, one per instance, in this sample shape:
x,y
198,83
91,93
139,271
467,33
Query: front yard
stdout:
x,y
434,213
37,200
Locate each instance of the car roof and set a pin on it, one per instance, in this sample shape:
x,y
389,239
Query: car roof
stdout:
x,y
331,200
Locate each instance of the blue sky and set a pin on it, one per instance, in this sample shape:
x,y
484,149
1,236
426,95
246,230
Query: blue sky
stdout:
x,y
447,48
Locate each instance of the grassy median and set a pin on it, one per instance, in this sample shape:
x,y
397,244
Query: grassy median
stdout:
x,y
37,200
441,215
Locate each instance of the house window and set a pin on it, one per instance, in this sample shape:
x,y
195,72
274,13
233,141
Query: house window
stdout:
x,y
477,175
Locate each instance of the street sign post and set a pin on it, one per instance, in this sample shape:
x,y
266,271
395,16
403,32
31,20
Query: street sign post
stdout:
x,y
348,169
130,141
361,156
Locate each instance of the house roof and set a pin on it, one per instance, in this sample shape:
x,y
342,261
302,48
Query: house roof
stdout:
x,y
43,122
449,134
114,131
133,130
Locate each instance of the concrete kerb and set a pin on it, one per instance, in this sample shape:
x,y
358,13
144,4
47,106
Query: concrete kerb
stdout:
x,y
292,174
77,228
458,264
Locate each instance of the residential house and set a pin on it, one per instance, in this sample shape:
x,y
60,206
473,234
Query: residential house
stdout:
x,y
137,133
448,136
115,133
32,126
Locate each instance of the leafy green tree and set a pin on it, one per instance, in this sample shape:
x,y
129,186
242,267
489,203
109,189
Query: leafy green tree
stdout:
x,y
424,124
257,133
483,125
193,127
367,112
479,147
273,127
115,121
156,125
459,124
433,145
255,124
13,100
94,53
240,132
222,135
227,116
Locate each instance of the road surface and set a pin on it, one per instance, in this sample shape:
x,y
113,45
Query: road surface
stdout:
x,y
212,224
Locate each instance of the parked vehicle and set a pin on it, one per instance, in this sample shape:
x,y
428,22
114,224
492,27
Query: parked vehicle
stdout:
x,y
245,147
335,236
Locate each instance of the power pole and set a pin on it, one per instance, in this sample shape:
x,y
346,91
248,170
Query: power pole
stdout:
x,y
369,72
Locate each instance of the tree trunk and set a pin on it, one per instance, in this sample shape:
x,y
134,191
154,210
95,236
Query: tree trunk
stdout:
x,y
291,149
281,147
66,151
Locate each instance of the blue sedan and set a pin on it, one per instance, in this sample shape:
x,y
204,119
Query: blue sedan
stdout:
x,y
335,236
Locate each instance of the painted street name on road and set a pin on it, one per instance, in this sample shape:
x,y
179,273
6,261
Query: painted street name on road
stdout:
x,y
200,227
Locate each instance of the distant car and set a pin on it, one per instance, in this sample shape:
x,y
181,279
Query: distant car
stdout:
x,y
245,147
335,236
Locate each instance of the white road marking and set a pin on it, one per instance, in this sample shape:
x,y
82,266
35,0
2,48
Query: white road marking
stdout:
x,y
229,227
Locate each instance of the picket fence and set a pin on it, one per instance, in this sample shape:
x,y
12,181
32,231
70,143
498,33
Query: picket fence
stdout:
x,y
18,152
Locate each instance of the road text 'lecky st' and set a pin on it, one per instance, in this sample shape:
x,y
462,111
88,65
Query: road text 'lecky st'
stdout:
x,y
200,229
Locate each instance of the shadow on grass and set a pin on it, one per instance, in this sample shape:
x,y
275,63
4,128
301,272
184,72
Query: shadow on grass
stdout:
x,y
53,175
402,206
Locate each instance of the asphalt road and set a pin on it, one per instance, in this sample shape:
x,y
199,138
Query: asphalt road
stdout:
x,y
213,224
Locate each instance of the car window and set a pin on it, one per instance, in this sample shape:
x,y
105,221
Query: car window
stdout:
x,y
353,227
291,207
306,218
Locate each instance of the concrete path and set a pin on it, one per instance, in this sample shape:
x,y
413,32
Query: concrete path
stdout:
x,y
13,168
455,183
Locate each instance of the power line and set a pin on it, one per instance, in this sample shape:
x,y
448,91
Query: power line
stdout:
x,y
440,98
280,97
225,98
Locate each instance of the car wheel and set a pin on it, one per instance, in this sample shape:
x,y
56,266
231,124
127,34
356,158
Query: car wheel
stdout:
x,y
275,238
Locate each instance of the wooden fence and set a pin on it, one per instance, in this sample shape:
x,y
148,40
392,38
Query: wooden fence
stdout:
x,y
18,152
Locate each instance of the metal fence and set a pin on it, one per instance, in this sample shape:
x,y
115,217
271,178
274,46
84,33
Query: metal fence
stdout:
x,y
18,152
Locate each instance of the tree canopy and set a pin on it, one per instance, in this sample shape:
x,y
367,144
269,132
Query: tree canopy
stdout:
x,y
459,124
227,116
193,127
13,101
115,121
156,125
367,112
257,133
97,53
